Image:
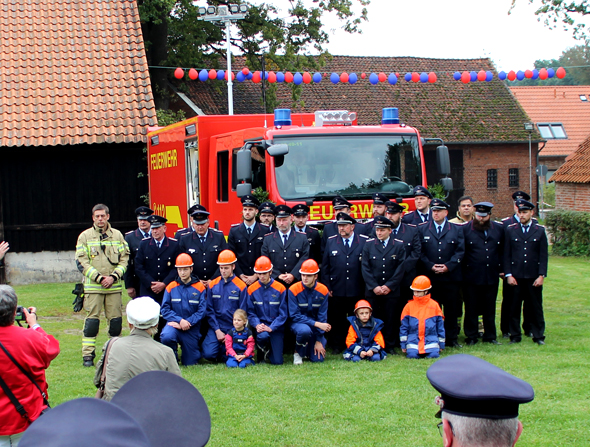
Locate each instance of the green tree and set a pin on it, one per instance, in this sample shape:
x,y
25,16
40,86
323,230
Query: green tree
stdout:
x,y
570,14
287,32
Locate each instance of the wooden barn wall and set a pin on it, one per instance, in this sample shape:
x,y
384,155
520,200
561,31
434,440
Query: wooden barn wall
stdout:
x,y
47,193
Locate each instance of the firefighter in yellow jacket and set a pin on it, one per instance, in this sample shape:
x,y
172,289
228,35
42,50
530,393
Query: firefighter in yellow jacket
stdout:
x,y
101,255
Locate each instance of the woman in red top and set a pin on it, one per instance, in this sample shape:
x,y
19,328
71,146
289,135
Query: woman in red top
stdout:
x,y
33,349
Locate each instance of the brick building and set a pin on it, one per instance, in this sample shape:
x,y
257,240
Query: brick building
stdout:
x,y
481,122
572,180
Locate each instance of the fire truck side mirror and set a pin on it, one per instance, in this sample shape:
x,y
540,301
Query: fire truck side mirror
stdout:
x,y
276,150
244,164
443,162
243,189
447,183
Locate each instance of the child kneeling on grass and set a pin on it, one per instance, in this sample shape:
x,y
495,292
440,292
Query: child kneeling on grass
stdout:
x,y
239,342
422,330
364,339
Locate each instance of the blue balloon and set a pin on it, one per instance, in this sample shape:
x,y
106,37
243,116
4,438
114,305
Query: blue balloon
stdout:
x,y
249,76
280,76
408,77
520,75
334,78
265,75
535,74
502,75
550,72
203,75
297,78
373,78
473,75
352,78
423,77
240,77
489,76
392,78
457,76
220,75
317,78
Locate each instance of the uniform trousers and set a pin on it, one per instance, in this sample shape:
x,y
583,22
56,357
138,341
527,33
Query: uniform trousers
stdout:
x,y
93,305
271,343
532,297
213,349
480,300
233,363
415,354
188,340
446,294
339,308
305,339
384,308
505,311
377,356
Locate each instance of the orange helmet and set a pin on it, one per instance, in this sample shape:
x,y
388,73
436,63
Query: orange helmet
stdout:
x,y
226,257
309,267
362,304
184,260
421,283
262,265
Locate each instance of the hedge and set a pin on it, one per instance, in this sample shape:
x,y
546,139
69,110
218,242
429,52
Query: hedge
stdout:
x,y
571,232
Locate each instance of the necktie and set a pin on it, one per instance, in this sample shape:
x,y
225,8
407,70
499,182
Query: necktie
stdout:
x,y
525,229
384,244
202,240
159,244
395,232
439,229
284,239
425,217
347,243
249,231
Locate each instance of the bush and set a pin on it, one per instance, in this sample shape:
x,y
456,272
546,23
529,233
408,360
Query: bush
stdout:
x,y
571,232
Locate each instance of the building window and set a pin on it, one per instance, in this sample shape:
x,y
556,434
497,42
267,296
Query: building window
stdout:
x,y
552,131
513,178
492,178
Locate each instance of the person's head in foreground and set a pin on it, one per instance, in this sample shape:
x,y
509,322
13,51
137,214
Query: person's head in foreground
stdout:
x,y
143,313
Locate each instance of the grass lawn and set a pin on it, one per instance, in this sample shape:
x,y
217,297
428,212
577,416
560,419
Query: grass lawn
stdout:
x,y
378,404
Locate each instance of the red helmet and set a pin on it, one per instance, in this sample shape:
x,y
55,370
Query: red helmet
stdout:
x,y
309,267
226,257
421,283
184,260
262,265
362,304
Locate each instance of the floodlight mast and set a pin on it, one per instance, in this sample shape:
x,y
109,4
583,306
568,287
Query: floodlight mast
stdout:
x,y
226,14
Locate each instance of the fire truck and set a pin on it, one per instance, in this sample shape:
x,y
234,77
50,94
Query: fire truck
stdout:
x,y
297,158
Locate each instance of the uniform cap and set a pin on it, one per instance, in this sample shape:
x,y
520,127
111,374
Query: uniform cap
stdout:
x,y
343,219
169,395
379,199
393,207
226,257
340,202
309,267
143,312
362,304
184,260
524,205
382,222
472,387
192,209
157,221
267,207
300,210
143,212
283,211
86,421
262,265
438,204
251,201
483,208
520,195
421,191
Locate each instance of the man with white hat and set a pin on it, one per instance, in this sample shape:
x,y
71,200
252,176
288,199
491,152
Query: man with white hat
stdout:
x,y
137,353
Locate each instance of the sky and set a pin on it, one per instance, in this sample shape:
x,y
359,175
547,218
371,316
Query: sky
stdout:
x,y
465,29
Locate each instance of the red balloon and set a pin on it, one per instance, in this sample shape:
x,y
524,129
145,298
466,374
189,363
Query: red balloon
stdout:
x,y
344,77
465,77
511,75
560,73
245,71
193,74
528,74
397,74
256,77
543,73
382,77
432,78
272,77
288,77
233,76
306,77
212,74
178,73
363,75
481,75
415,77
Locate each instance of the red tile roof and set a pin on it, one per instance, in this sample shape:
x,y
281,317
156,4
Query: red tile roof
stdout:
x,y
449,109
72,72
558,104
577,167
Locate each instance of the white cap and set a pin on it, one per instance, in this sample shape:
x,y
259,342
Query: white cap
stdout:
x,y
143,312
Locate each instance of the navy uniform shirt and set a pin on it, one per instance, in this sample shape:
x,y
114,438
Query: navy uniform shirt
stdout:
x,y
525,254
414,217
483,261
383,266
156,264
447,249
331,228
342,267
133,238
247,248
286,258
204,256
410,236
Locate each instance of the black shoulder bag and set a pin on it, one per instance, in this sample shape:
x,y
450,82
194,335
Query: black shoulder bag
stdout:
x,y
19,407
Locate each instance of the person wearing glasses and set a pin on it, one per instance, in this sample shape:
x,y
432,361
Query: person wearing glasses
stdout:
x,y
478,402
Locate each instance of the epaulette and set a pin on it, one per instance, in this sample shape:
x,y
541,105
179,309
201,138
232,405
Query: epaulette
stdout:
x,y
264,225
513,225
147,237
129,232
172,239
313,228
188,233
540,226
332,237
236,224
399,240
215,229
364,235
181,229
371,239
412,225
268,234
422,223
506,218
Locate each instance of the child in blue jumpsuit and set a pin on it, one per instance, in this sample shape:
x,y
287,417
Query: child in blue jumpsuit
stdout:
x,y
364,340
239,342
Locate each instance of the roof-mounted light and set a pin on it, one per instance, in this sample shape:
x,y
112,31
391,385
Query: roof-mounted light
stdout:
x,y
390,116
282,117
334,118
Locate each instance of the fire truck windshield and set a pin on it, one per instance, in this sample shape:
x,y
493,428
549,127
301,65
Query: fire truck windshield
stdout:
x,y
348,165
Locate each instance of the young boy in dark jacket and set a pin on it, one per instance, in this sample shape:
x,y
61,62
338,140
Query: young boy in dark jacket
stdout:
x,y
364,340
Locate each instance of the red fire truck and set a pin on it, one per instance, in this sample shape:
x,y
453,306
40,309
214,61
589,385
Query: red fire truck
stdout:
x,y
300,158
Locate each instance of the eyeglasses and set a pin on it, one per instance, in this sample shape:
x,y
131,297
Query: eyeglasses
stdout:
x,y
440,424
